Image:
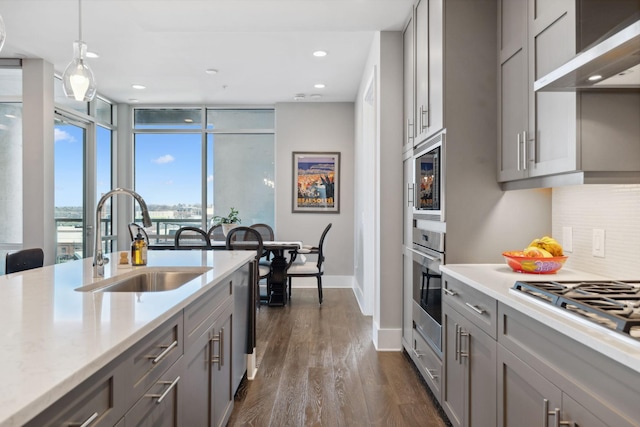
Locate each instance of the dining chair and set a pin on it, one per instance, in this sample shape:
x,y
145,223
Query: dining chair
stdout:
x,y
191,238
134,228
24,259
310,268
267,234
247,238
216,234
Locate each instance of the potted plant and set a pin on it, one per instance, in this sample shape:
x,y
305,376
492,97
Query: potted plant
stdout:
x,y
228,222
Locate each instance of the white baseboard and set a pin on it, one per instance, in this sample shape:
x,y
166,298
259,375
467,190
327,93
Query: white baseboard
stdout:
x,y
387,339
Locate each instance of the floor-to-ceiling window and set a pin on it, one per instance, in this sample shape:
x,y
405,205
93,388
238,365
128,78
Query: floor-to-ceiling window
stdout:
x,y
191,164
10,161
82,174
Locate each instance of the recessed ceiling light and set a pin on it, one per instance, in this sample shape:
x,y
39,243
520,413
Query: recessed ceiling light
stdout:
x,y
133,100
316,96
595,77
319,86
137,86
92,55
211,71
320,53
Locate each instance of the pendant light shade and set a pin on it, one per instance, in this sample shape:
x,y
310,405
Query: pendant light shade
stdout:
x,y
3,33
78,81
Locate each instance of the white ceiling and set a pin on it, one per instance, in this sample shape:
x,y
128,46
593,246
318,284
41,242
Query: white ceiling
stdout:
x,y
262,48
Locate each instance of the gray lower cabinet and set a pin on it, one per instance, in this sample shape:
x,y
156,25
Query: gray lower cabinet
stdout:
x,y
162,403
209,399
469,394
181,374
546,378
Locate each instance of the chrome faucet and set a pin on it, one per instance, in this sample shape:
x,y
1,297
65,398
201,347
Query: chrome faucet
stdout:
x,y
98,260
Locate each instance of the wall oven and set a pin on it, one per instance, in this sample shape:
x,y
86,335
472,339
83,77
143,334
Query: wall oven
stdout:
x,y
428,255
429,177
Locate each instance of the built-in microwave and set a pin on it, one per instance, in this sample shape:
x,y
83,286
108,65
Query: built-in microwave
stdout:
x,y
429,177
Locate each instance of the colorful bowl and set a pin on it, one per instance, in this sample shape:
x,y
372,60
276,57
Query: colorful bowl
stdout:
x,y
526,264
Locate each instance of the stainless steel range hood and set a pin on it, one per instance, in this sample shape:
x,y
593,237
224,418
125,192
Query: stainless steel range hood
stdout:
x,y
615,60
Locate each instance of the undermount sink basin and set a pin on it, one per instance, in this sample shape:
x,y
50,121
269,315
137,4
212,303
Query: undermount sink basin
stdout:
x,y
153,279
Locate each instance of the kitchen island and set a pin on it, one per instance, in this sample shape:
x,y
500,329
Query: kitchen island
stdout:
x,y
512,359
54,337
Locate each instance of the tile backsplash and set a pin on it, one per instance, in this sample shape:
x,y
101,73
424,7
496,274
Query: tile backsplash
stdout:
x,y
613,208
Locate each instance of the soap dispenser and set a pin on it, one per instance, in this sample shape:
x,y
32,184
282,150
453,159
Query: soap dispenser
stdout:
x,y
139,250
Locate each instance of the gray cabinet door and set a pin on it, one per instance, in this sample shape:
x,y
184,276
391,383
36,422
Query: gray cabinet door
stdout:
x,y
552,137
197,368
513,89
221,372
523,393
469,395
429,68
408,38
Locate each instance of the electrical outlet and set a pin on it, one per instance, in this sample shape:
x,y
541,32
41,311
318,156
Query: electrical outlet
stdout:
x,y
598,243
567,239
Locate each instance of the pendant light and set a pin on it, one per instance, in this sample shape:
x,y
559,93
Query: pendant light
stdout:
x,y
78,81
3,33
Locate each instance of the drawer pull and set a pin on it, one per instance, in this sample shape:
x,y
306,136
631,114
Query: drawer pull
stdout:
x,y
162,355
475,308
449,292
88,422
219,359
161,397
430,375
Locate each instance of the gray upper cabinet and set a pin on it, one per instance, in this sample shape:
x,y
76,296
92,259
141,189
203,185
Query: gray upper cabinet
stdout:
x,y
429,66
408,40
558,137
537,131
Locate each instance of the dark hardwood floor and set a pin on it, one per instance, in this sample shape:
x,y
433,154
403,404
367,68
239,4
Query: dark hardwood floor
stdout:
x,y
317,366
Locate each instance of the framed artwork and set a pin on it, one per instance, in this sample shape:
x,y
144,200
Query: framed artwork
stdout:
x,y
316,182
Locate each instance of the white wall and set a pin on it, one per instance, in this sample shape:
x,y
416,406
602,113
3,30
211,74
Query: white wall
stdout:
x,y
379,206
613,208
308,126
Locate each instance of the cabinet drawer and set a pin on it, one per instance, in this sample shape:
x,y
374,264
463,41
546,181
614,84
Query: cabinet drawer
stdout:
x,y
98,401
161,404
428,363
198,315
476,306
153,355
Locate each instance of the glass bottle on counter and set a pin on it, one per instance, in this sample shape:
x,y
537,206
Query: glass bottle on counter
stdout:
x,y
139,251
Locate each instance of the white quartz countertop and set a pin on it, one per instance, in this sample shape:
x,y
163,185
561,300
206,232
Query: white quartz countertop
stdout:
x,y
54,337
496,280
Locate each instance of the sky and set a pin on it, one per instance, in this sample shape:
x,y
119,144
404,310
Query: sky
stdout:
x,y
168,167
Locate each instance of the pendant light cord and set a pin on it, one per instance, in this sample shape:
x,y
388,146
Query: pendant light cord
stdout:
x,y
80,20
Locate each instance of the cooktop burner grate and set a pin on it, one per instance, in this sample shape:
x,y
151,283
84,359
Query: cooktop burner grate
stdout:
x,y
614,304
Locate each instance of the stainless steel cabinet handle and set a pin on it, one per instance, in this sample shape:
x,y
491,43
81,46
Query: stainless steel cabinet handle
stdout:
x,y
524,151
410,136
518,151
219,359
449,292
463,353
430,375
410,195
475,308
161,397
425,113
88,421
166,351
457,344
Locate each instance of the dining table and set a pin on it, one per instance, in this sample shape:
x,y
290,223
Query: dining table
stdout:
x,y
280,262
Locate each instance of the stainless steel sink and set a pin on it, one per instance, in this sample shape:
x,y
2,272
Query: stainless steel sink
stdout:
x,y
153,279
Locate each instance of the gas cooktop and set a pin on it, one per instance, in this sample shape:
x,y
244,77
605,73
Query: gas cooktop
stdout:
x,y
613,304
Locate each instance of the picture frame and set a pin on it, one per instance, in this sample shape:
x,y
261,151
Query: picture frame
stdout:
x,y
316,182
